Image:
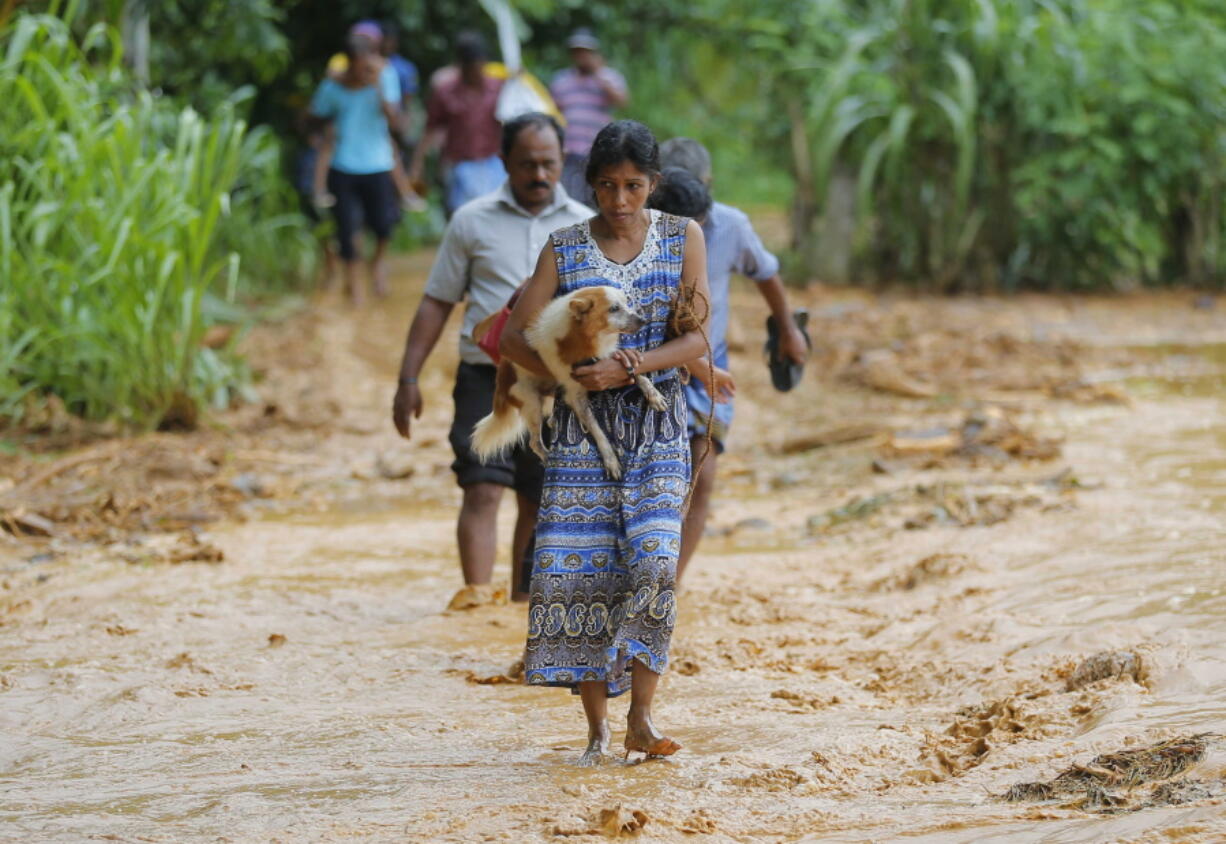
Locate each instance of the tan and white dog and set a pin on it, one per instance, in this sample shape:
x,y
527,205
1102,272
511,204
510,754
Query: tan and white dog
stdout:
x,y
577,328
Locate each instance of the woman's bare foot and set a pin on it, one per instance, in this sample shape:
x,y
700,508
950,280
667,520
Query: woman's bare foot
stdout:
x,y
643,737
597,747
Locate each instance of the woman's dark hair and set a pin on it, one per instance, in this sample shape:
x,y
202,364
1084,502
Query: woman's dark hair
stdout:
x,y
536,120
623,140
682,193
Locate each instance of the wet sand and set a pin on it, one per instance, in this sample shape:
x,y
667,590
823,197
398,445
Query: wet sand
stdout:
x,y
836,675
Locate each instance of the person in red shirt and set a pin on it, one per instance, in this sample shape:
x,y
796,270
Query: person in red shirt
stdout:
x,y
460,118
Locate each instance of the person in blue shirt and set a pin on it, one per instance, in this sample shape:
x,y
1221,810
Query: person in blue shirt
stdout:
x,y
363,106
733,247
405,70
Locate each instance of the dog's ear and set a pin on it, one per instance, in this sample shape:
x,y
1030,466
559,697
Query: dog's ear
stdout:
x,y
580,306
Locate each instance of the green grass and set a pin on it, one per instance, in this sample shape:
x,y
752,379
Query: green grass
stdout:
x,y
121,214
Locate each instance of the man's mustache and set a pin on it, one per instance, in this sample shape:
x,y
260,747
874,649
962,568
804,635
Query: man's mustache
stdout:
x,y
535,185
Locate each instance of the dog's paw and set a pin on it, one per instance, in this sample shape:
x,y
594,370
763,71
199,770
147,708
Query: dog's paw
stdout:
x,y
614,468
655,400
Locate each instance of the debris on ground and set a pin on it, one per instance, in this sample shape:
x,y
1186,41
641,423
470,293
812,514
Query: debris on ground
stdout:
x,y
186,547
1108,664
906,349
881,370
618,821
968,505
837,435
699,822
932,567
1188,790
513,674
855,509
1107,782
976,731
988,434
477,595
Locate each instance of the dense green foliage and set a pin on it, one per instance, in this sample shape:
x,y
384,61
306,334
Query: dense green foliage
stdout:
x,y
969,145
989,144
122,215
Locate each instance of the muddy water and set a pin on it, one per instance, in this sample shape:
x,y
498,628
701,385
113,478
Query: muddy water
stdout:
x,y
311,688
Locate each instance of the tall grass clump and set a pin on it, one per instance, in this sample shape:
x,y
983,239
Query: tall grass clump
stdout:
x,y
1060,144
121,214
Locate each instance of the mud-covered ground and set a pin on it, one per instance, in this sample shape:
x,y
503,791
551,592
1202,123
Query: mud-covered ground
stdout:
x,y
978,554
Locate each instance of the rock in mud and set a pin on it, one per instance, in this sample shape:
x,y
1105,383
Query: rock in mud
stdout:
x,y
396,465
1104,665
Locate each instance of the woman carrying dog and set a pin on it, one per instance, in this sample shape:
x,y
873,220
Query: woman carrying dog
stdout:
x,y
602,597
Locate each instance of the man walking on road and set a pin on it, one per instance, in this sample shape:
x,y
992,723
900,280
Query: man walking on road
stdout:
x,y
490,247
732,247
586,93
461,119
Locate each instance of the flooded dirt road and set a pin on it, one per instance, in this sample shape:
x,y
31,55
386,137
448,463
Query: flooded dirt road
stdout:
x,y
881,633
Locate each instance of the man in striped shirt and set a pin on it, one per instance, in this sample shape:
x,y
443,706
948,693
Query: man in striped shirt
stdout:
x,y
586,94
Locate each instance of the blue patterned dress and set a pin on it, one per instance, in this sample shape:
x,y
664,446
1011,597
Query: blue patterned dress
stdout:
x,y
606,551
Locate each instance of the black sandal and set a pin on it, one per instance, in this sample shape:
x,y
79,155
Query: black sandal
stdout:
x,y
784,374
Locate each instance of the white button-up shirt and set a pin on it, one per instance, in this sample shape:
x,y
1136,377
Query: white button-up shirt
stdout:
x,y
489,249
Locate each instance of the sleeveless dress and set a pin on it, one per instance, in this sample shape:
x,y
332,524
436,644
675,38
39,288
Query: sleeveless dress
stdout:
x,y
605,563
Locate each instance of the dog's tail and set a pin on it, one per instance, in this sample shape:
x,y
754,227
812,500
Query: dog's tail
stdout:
x,y
504,427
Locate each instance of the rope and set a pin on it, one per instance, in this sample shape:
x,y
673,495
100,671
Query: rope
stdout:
x,y
686,317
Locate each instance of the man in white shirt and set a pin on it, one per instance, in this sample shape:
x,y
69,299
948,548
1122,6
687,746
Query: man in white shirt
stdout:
x,y
490,247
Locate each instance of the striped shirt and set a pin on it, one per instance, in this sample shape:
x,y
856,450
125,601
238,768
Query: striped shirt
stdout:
x,y
585,105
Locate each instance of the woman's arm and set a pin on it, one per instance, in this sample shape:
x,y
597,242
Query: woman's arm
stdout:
x,y
680,350
537,294
694,287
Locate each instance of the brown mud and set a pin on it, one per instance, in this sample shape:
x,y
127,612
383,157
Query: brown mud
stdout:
x,y
981,545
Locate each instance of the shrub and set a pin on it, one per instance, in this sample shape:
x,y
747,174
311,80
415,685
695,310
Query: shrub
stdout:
x,y
120,214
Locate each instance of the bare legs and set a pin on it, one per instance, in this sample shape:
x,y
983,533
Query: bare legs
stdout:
x,y
376,270
596,707
477,535
700,504
476,532
525,524
641,734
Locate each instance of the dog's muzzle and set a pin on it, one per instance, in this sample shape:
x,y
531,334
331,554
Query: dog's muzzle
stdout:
x,y
632,322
